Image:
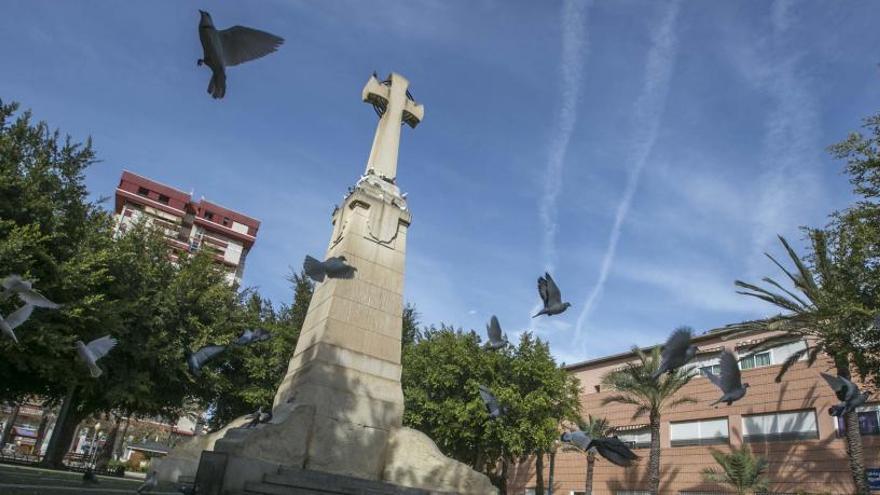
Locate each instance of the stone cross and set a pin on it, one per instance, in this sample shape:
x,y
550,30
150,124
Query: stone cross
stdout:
x,y
395,106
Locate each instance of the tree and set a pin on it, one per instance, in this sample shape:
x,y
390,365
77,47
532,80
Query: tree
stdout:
x,y
595,428
650,397
826,310
741,470
410,327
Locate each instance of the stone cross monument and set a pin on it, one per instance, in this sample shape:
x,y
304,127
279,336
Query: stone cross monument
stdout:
x,y
339,408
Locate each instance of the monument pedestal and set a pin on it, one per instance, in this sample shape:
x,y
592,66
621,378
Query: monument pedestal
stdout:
x,y
339,407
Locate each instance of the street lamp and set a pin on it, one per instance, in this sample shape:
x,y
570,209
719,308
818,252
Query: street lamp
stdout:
x,y
93,452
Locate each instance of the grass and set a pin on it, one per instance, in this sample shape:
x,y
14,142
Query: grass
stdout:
x,y
20,480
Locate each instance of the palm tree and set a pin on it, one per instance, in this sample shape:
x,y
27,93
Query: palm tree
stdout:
x,y
650,397
741,470
824,310
595,428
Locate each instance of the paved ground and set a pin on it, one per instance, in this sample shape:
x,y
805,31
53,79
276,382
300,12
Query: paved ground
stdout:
x,y
19,480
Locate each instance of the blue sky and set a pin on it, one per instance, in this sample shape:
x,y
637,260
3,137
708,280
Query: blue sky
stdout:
x,y
646,152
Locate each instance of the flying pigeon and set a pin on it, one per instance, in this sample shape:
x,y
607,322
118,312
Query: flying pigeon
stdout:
x,y
259,417
229,47
848,394
730,380
25,291
496,339
150,483
677,352
335,267
252,337
611,448
93,351
16,318
196,360
492,405
551,296
89,477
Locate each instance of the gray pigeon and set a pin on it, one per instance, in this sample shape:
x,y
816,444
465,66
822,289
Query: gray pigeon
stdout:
x,y
25,291
259,417
730,380
496,339
196,360
252,337
150,483
335,267
16,318
93,351
611,448
492,405
229,47
677,352
848,394
551,296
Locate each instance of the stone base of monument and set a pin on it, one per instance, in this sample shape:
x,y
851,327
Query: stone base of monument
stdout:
x,y
277,457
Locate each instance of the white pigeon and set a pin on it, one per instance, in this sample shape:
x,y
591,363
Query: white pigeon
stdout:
x,y
150,483
16,318
93,351
25,291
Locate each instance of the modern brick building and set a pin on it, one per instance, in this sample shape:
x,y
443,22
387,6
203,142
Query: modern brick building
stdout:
x,y
788,423
188,225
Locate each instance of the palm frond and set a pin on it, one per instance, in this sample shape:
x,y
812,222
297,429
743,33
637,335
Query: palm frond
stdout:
x,y
770,342
811,288
765,295
789,362
783,289
814,354
621,399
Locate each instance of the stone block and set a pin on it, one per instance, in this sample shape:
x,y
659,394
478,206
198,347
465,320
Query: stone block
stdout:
x,y
348,449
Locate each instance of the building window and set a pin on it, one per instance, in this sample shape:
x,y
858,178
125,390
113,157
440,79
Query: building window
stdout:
x,y
755,361
143,191
776,427
869,421
715,369
632,492
209,215
530,491
702,432
637,438
226,221
163,199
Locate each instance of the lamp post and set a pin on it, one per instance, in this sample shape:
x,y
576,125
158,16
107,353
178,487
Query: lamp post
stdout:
x,y
92,451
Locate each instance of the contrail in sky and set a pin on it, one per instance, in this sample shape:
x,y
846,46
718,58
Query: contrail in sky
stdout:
x,y
574,52
648,111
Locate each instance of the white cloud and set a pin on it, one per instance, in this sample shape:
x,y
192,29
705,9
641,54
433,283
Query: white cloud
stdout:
x,y
648,111
574,51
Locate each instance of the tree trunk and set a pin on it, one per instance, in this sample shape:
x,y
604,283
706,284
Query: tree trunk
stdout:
x,y
591,461
503,487
539,473
120,440
41,430
62,433
106,453
854,450
654,462
552,468
7,428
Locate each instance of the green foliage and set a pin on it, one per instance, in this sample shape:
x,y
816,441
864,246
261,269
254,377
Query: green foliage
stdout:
x,y
410,329
741,470
441,374
637,388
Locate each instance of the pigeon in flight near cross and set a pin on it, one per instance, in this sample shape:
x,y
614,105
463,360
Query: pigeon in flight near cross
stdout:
x,y
196,360
730,379
16,318
848,394
150,483
677,352
93,351
492,405
611,448
259,417
252,337
551,296
228,47
335,267
25,291
497,340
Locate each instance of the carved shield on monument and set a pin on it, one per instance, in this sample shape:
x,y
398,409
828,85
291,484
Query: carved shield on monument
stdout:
x,y
384,222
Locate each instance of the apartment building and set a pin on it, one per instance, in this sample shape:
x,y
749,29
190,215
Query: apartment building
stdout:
x,y
188,225
787,422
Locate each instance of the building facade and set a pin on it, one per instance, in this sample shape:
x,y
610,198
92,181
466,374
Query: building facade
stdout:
x,y
787,423
188,225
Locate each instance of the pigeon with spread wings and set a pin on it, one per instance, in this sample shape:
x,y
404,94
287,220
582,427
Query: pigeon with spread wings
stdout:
x,y
551,297
846,392
93,351
730,379
611,448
